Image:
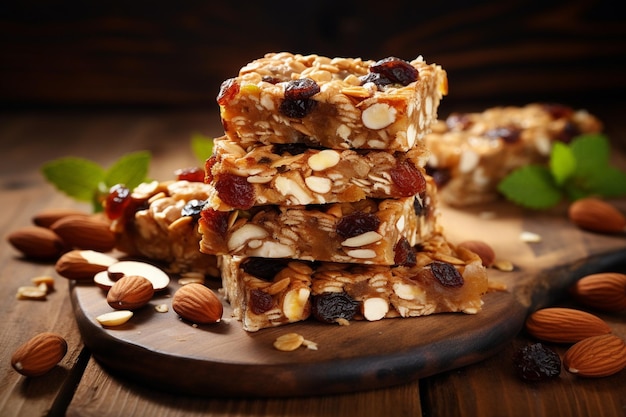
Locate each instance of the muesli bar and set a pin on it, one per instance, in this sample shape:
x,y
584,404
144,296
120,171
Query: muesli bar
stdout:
x,y
472,152
272,292
288,175
367,231
339,103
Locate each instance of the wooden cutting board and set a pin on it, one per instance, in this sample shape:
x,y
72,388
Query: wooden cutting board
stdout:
x,y
160,350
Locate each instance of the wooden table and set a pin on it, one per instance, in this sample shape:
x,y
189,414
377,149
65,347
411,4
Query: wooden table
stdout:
x,y
81,387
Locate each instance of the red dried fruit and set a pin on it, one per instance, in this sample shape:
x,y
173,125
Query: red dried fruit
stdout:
x,y
116,202
208,165
407,179
396,70
191,174
446,274
216,221
235,191
298,102
357,223
260,301
558,111
404,254
536,362
330,306
228,90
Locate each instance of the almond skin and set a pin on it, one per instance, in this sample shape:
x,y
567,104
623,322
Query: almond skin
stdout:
x,y
39,354
85,232
82,264
48,217
597,216
130,293
596,356
37,242
564,325
197,303
604,291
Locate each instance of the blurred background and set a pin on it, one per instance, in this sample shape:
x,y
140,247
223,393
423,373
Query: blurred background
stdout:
x,y
174,55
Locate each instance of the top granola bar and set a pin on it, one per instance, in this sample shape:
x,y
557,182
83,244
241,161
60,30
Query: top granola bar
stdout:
x,y
339,103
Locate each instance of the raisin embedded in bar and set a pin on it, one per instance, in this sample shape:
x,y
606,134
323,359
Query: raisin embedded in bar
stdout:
x,y
373,231
472,152
294,174
339,103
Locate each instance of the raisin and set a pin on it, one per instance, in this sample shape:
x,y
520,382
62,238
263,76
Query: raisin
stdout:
x,y
330,306
357,223
396,70
208,165
441,176
260,301
228,90
420,209
193,208
460,121
507,134
116,201
235,191
408,180
263,268
270,79
191,174
298,102
215,220
536,362
570,131
378,79
290,148
404,254
446,274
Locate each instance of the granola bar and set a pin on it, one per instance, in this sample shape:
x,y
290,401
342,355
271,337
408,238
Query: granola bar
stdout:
x,y
269,292
367,231
472,152
337,103
161,224
298,175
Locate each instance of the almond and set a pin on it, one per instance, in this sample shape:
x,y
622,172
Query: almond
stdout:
x,y
597,216
197,303
482,249
564,325
604,291
48,217
83,264
130,293
37,242
85,232
39,354
596,356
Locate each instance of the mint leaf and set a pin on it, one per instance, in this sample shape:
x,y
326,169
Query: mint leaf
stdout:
x,y
562,162
76,177
592,153
130,170
531,186
202,147
607,182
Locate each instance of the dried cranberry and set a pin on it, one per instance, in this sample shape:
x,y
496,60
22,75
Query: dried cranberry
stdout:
x,y
298,102
404,254
260,301
446,274
235,191
396,70
228,90
192,174
378,79
507,134
215,220
536,362
193,208
116,201
290,148
357,223
208,165
330,306
408,180
263,268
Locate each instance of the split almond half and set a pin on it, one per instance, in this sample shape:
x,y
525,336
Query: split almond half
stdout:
x,y
114,318
159,278
83,264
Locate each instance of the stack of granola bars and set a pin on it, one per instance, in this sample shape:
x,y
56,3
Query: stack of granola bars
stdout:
x,y
320,204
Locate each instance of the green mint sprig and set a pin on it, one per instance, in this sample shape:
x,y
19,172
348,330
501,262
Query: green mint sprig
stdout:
x,y
577,170
202,147
85,180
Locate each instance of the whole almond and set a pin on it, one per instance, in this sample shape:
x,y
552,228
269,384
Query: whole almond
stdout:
x,y
37,242
596,356
83,264
564,325
597,216
48,217
482,249
85,232
604,291
130,293
39,354
197,303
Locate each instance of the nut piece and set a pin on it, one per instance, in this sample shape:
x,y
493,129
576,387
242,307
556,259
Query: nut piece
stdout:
x,y
482,249
83,264
597,216
39,354
604,291
37,242
159,278
31,293
198,304
288,342
85,232
114,318
48,217
596,356
130,293
565,325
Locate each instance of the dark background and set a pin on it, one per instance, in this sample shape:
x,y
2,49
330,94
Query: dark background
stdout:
x,y
175,54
